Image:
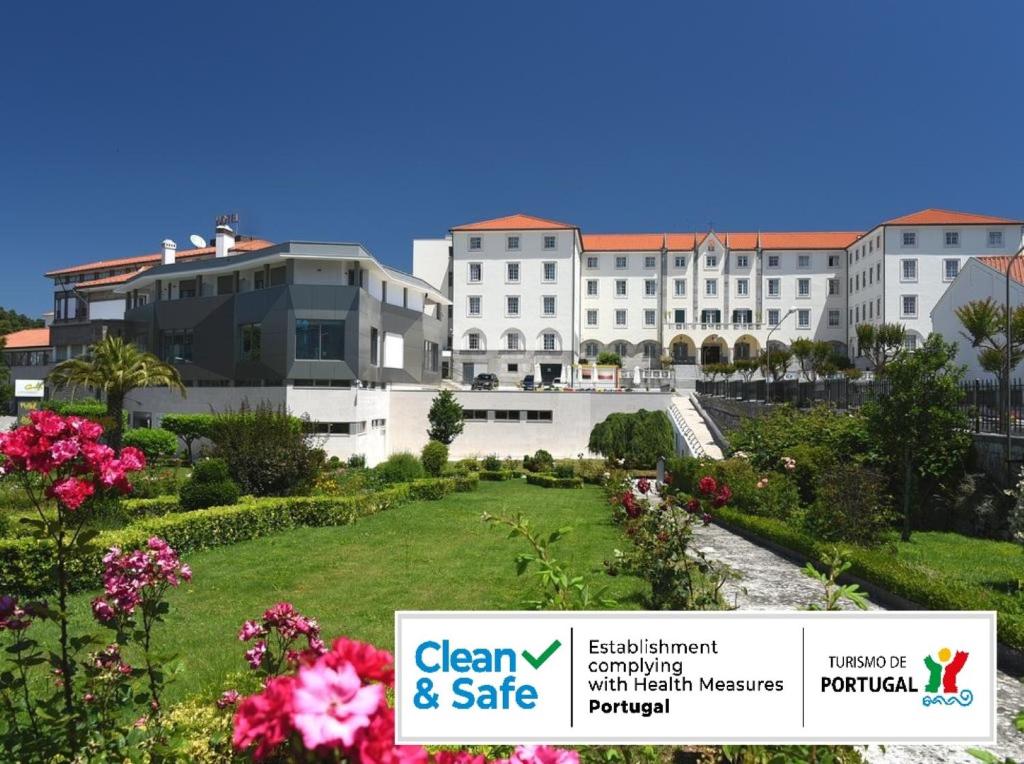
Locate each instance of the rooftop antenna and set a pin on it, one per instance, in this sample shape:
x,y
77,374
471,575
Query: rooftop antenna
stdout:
x,y
197,241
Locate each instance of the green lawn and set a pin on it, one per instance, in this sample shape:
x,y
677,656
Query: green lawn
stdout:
x,y
425,555
994,565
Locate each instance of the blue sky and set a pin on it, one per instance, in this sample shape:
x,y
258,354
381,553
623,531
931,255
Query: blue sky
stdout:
x,y
123,124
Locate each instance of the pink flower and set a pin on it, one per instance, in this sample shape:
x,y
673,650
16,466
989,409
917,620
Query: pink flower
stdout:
x,y
255,654
693,505
331,705
377,742
265,719
249,630
643,485
48,423
64,450
707,485
542,754
102,611
228,699
73,492
132,459
369,662
762,483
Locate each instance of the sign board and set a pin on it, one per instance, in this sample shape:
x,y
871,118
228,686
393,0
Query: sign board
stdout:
x,y
29,388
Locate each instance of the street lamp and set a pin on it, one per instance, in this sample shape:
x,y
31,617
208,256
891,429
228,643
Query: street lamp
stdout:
x,y
768,355
1009,368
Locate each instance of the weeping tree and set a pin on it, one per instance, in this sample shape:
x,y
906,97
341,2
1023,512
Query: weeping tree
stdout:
x,y
113,368
880,343
984,323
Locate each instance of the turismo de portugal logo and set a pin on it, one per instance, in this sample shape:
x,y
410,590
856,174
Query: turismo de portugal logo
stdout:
x,y
943,670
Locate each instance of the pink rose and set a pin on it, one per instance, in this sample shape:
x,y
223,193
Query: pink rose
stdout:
x,y
331,705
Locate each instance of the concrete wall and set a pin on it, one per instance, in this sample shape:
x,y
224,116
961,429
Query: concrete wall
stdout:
x,y
565,436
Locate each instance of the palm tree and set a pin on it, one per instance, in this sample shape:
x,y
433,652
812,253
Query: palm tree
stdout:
x,y
114,368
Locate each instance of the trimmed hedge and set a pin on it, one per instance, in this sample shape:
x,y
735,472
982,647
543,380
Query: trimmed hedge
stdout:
x,y
936,592
26,564
498,474
158,505
550,481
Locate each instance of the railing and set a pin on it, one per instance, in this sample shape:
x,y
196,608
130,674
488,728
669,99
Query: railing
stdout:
x,y
719,326
983,402
692,442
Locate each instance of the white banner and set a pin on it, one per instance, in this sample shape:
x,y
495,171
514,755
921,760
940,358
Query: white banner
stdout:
x,y
28,388
695,677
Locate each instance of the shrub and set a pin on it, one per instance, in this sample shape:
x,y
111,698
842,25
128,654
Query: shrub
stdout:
x,y
741,477
609,359
777,497
491,463
188,428
684,472
357,461
501,474
209,486
468,465
565,470
811,462
157,445
851,506
541,461
768,438
550,481
434,458
159,481
402,467
638,438
268,453
154,507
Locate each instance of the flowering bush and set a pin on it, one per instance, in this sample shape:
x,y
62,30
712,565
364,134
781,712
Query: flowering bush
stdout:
x,y
276,634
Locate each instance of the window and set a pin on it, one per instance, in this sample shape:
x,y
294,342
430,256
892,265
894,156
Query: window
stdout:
x,y
431,356
909,239
187,287
803,287
950,269
908,270
650,317
538,416
512,273
477,415
549,241
474,242
680,261
856,282
856,312
619,348
251,340
745,316
742,287
871,276
591,262
225,285
620,318
878,271
620,288
473,305
175,344
742,261
512,367
319,340
512,341
474,273
680,287
995,238
512,305
620,261
473,341
278,276
952,238
833,286
774,287
773,261
833,318
591,317
374,347
803,261
871,310
711,261
650,287
650,262
548,305
549,341
680,316
711,316
833,261
773,317
908,304
550,272
711,287
910,342
590,349
379,424
591,287
803,319
512,242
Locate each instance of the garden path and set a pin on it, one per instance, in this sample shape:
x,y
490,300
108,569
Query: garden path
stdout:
x,y
770,582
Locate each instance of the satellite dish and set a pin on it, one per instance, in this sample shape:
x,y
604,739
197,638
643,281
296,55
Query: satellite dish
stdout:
x,y
197,241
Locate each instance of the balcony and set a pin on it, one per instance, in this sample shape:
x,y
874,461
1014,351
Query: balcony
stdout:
x,y
720,327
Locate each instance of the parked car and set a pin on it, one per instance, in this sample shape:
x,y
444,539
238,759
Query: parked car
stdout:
x,y
485,382
528,382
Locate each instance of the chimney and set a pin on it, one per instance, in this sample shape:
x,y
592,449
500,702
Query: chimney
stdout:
x,y
169,249
225,240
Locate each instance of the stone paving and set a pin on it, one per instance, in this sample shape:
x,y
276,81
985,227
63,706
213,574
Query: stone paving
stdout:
x,y
770,582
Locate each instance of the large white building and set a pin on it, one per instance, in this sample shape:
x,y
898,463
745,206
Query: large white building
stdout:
x,y
535,296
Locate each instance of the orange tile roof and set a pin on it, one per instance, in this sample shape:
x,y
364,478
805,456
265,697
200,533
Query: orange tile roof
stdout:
x,y
27,338
623,242
744,240
933,216
517,222
680,241
110,280
245,245
619,242
809,239
1001,262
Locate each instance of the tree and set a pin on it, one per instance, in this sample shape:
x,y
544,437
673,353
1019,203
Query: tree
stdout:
x,y
6,391
189,428
446,418
114,368
637,438
814,358
918,423
12,321
712,370
775,364
609,359
880,344
745,367
984,323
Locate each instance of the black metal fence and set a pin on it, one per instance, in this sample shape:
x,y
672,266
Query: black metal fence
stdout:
x,y
982,401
